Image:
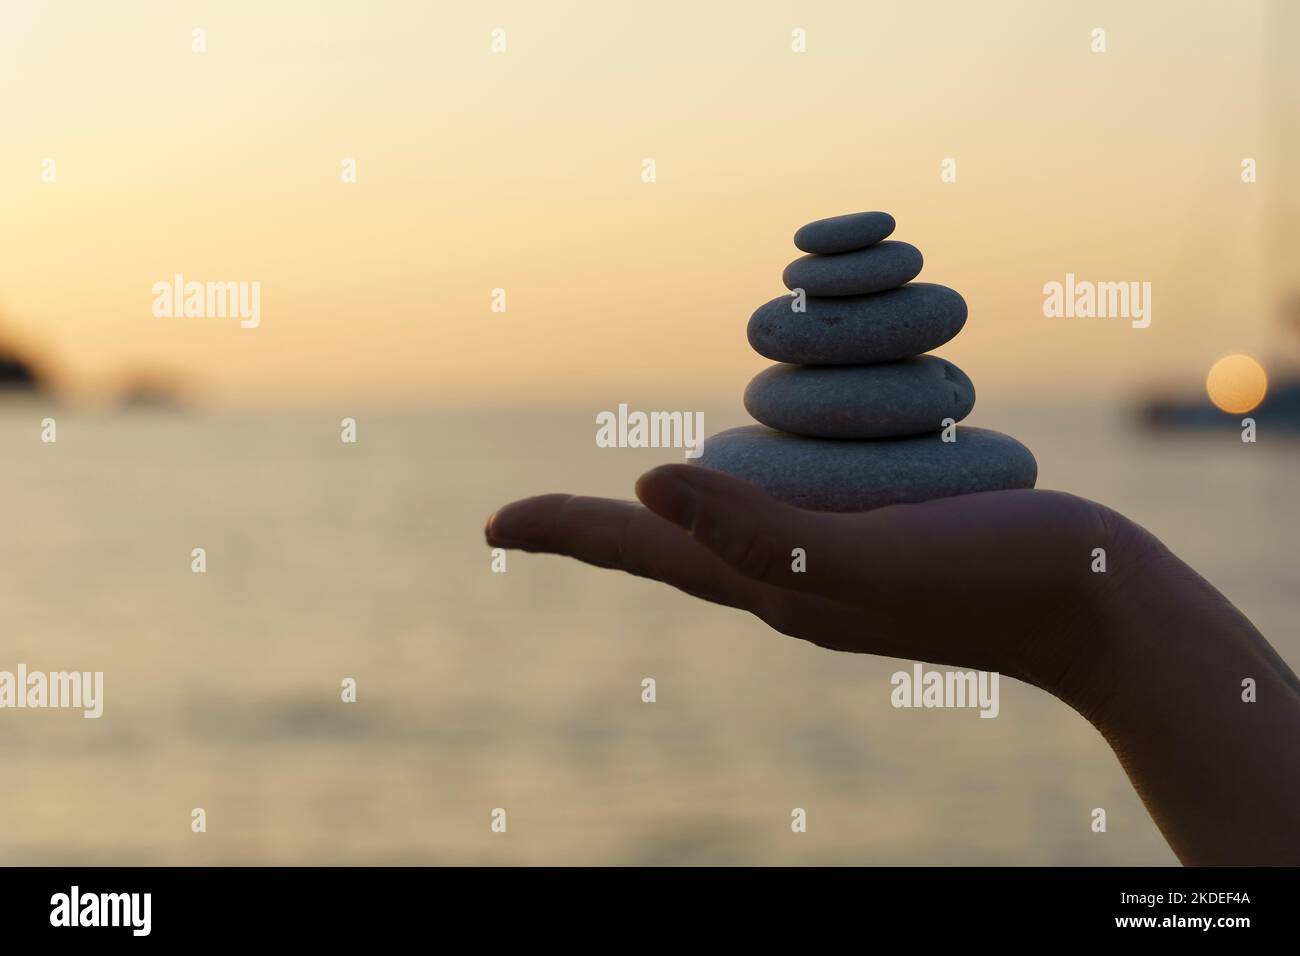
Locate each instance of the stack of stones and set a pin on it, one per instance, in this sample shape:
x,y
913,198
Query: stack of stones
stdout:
x,y
856,417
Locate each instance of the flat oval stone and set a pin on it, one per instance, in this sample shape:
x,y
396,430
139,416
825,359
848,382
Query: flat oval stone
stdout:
x,y
886,265
857,230
859,329
822,474
907,397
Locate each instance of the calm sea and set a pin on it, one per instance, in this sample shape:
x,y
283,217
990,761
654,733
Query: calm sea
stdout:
x,y
520,690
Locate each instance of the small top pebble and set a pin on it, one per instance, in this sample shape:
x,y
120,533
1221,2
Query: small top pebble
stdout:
x,y
857,230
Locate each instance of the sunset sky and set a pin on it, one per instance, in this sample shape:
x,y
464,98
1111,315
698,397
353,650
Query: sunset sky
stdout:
x,y
522,170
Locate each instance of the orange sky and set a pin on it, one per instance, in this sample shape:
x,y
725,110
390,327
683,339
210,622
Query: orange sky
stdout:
x,y
521,170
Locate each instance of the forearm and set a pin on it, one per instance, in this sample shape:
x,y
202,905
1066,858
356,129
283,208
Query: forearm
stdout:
x,y
1163,680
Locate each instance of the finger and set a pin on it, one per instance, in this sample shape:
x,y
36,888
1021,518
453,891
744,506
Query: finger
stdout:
x,y
843,556
625,536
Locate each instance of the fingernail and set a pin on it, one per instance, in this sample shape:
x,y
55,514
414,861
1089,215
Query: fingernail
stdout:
x,y
669,498
498,531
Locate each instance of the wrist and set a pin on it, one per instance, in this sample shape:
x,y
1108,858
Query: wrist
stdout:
x,y
1141,617
1157,643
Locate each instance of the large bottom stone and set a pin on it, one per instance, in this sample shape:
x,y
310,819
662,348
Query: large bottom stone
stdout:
x,y
830,475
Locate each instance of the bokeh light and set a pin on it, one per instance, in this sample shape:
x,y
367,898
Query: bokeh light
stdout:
x,y
1236,383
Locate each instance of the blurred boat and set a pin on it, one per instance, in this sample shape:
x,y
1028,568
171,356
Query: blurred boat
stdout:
x,y
1279,410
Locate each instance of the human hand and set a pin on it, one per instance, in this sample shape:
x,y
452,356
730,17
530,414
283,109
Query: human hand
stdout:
x,y
995,581
1147,650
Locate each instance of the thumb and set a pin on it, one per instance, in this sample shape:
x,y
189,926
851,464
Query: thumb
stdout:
x,y
757,535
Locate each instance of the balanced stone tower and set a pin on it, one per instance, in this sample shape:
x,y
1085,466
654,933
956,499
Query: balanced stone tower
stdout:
x,y
856,416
